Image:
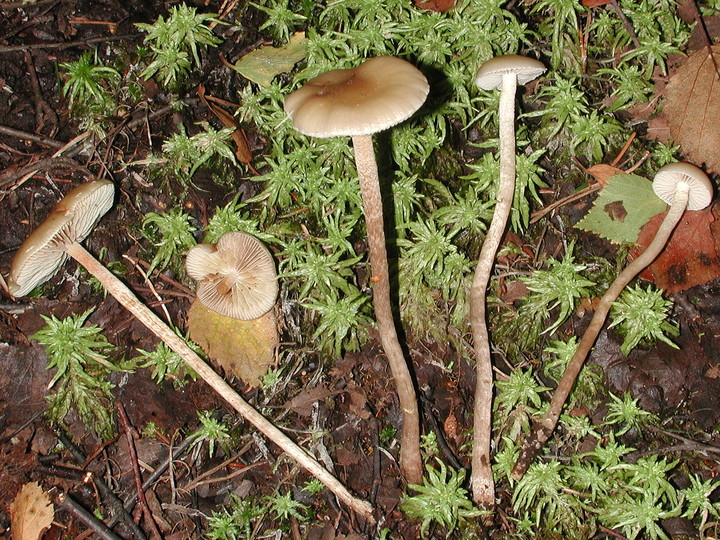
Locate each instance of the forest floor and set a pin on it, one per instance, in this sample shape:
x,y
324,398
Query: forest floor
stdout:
x,y
351,400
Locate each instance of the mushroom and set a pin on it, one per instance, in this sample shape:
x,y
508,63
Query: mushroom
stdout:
x,y
236,277
504,73
682,186
42,253
359,102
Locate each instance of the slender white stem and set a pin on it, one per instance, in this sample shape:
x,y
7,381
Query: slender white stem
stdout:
x,y
128,300
410,458
483,486
547,425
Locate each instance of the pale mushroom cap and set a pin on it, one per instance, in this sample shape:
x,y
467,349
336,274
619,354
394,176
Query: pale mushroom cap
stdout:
x,y
490,74
668,177
72,219
236,277
374,96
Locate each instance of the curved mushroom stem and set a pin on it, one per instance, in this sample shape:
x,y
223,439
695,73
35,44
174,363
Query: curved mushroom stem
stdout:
x,y
410,459
543,429
128,300
483,486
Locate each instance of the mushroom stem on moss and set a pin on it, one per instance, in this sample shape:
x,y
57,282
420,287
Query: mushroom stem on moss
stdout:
x,y
681,185
505,73
410,458
376,95
60,237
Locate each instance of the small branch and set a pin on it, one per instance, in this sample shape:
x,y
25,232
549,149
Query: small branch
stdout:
x,y
115,502
626,23
24,135
67,503
130,436
706,37
64,45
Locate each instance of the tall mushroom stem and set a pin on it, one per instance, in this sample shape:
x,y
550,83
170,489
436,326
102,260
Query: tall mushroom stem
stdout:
x,y
410,459
483,486
542,431
128,300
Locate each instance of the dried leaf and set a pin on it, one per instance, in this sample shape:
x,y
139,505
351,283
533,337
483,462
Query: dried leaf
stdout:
x,y
31,512
245,348
691,108
303,402
435,5
263,64
242,148
622,208
603,172
691,256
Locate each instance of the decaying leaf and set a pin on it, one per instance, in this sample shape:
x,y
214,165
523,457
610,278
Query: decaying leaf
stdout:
x,y
302,403
625,204
263,64
31,512
691,108
435,5
690,258
242,149
245,348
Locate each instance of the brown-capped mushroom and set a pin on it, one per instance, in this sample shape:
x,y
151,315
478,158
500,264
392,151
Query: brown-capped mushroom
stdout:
x,y
236,277
376,95
42,253
504,73
684,187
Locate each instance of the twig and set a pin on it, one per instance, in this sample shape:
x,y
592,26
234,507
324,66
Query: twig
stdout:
x,y
66,502
24,4
129,503
64,45
626,23
130,436
706,37
35,19
24,135
42,107
115,503
688,444
152,288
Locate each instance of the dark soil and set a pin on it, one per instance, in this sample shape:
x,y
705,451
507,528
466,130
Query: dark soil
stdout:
x,y
354,399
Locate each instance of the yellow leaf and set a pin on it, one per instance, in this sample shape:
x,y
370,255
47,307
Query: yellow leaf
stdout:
x,y
263,64
244,348
31,512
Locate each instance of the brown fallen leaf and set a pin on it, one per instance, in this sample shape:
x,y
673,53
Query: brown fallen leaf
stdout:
x,y
435,5
242,148
303,402
244,348
31,512
691,108
690,258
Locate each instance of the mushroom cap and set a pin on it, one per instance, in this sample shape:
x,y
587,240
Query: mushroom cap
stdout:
x,y
490,74
668,177
374,96
71,220
236,277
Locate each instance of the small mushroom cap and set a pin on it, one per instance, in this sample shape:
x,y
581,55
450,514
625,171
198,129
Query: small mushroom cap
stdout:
x,y
71,220
668,177
236,277
374,96
490,74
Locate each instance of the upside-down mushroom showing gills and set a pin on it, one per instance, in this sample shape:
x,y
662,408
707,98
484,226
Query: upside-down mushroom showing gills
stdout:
x,y
59,236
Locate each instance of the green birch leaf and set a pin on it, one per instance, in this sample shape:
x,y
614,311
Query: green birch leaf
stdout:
x,y
263,64
622,207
